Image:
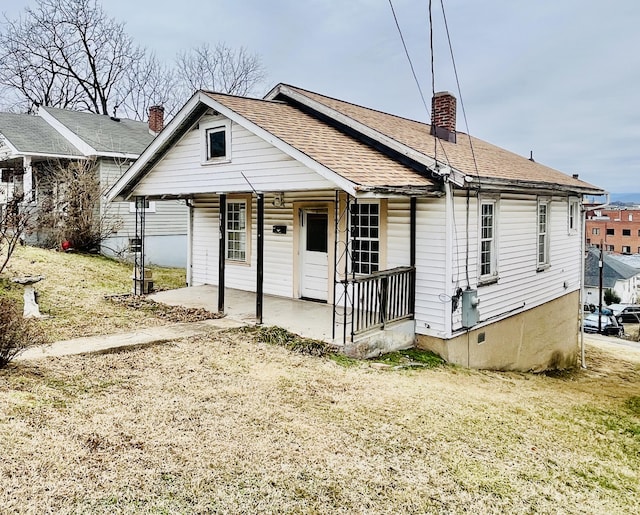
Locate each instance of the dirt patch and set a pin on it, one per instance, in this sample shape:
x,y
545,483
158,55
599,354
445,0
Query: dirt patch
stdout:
x,y
163,311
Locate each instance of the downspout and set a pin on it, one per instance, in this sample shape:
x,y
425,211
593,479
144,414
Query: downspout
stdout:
x,y
583,220
222,250
448,267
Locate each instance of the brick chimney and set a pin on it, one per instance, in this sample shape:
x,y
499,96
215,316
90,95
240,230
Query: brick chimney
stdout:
x,y
156,119
443,116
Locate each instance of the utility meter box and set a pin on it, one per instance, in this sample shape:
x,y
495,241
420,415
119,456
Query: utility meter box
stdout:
x,y
470,312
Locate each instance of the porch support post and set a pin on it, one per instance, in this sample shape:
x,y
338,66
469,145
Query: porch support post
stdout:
x,y
139,280
222,251
260,259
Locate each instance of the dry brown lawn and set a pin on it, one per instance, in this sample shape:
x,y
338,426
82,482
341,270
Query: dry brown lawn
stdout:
x,y
73,291
225,424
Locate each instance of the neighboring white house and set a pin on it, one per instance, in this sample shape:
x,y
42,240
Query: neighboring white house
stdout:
x,y
618,274
475,254
31,144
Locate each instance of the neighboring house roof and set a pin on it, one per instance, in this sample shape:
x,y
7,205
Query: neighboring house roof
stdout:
x,y
612,270
31,135
492,162
368,149
104,134
632,260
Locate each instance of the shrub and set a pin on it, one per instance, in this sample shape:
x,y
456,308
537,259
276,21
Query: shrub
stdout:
x,y
611,297
16,332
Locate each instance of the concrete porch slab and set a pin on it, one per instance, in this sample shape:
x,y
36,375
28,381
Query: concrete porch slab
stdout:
x,y
309,319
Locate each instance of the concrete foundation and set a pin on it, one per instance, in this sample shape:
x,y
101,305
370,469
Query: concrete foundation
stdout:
x,y
396,336
541,338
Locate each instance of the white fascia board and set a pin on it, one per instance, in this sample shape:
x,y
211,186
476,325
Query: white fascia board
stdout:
x,y
135,169
66,133
293,152
117,154
456,176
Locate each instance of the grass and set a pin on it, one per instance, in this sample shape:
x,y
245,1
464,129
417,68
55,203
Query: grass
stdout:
x,y
262,421
72,293
228,423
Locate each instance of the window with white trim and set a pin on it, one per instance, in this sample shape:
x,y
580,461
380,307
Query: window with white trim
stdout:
x,y
574,213
216,141
488,256
365,237
543,233
236,230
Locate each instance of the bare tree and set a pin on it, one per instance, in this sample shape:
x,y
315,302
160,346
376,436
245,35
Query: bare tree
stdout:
x,y
15,219
220,69
149,82
70,209
67,53
70,54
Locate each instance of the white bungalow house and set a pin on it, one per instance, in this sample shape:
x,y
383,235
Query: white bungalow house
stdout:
x,y
31,146
413,236
618,274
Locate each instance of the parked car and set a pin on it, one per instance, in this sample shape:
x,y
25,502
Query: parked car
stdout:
x,y
629,313
609,325
592,308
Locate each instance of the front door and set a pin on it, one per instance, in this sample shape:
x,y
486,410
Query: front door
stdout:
x,y
314,255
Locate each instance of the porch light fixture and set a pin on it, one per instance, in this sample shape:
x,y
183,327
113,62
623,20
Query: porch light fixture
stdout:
x,y
278,199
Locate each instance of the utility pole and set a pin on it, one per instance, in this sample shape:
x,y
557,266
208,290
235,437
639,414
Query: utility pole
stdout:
x,y
600,269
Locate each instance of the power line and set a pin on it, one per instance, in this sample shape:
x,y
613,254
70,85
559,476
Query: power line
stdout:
x,y
455,71
406,51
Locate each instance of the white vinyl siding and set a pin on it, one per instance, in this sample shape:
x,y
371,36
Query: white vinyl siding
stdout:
x,y
181,171
430,267
278,248
520,286
169,218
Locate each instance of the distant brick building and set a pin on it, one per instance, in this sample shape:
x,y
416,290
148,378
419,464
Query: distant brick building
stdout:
x,y
618,230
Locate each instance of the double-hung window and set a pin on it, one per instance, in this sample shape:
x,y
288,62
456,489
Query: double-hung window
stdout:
x,y
543,234
488,248
216,141
365,237
574,213
237,230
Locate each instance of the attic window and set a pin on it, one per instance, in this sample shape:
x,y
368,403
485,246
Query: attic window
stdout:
x,y
216,142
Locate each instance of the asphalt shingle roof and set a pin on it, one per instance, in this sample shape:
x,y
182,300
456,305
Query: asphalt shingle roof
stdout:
x,y
492,162
612,270
103,133
30,134
346,156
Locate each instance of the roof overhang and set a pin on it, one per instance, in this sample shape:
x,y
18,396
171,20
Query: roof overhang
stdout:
x,y
488,184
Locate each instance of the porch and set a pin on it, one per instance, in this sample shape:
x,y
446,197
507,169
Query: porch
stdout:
x,y
376,323
309,319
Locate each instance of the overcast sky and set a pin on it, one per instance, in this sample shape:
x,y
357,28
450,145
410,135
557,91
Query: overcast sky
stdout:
x,y
560,78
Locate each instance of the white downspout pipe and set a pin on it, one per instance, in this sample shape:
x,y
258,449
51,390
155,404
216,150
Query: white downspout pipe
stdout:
x,y
449,249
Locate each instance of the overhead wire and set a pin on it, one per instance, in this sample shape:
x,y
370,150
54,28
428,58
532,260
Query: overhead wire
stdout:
x,y
406,51
415,77
466,124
